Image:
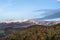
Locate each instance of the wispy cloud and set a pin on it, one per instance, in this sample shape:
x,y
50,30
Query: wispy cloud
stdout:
x,y
58,0
51,14
46,11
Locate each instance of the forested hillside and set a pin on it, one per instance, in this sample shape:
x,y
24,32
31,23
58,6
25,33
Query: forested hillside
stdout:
x,y
35,32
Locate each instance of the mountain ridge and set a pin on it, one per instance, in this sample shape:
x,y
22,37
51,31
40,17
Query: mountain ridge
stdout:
x,y
26,23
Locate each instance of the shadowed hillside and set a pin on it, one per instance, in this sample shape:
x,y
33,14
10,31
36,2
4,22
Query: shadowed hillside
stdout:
x,y
35,32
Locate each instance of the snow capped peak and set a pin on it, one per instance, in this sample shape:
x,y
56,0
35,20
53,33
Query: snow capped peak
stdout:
x,y
32,21
11,20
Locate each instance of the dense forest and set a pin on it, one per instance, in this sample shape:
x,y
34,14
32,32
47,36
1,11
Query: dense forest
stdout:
x,y
35,32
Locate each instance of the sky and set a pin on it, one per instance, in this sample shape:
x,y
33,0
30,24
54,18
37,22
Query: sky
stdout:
x,y
29,9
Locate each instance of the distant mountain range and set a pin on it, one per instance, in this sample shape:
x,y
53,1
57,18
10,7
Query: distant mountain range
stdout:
x,y
26,23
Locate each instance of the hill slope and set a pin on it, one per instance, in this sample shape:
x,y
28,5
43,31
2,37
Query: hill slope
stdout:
x,y
35,32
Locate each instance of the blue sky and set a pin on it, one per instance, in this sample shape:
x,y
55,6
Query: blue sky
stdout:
x,y
25,9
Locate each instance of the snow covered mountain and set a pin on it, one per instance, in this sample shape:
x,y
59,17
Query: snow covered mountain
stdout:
x,y
14,21
44,22
33,21
26,23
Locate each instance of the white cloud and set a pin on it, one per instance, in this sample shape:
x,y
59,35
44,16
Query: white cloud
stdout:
x,y
58,0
